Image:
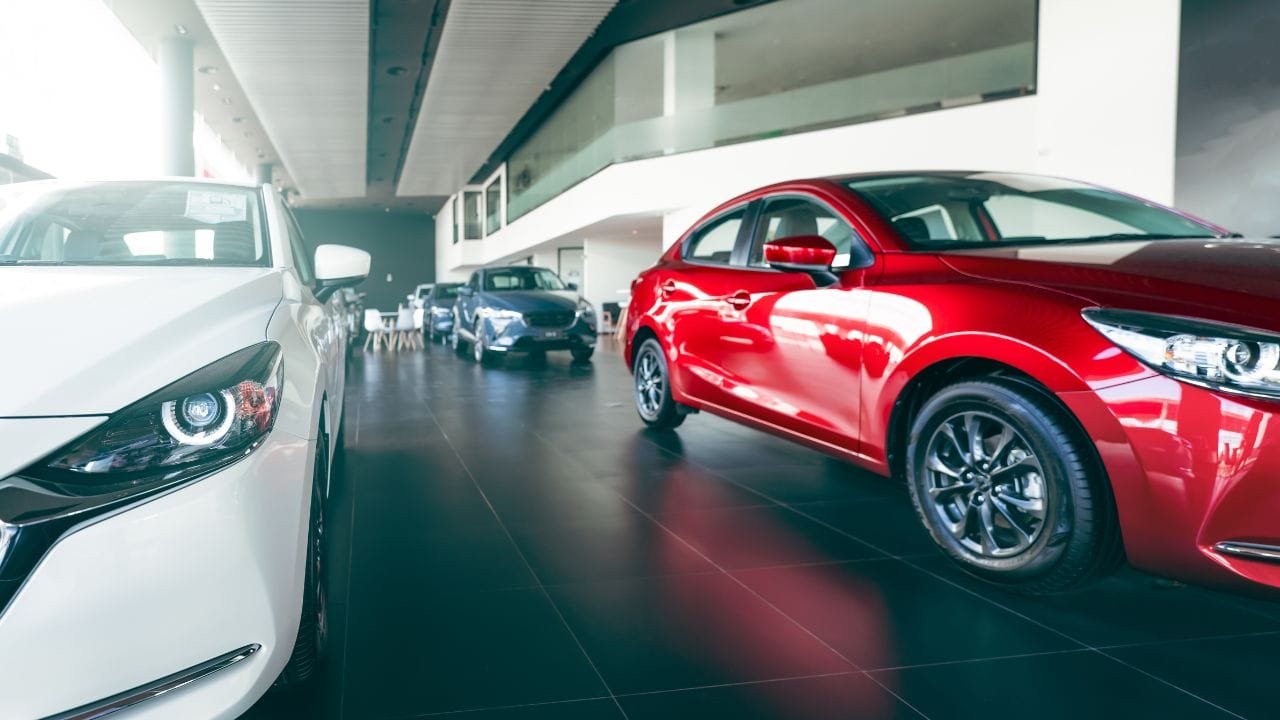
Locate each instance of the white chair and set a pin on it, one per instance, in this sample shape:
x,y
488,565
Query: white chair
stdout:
x,y
404,328
375,332
419,316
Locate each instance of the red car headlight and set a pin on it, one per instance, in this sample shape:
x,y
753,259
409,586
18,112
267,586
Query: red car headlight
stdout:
x,y
1226,357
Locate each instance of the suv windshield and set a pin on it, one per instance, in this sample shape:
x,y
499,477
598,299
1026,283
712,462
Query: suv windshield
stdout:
x,y
131,223
951,210
521,278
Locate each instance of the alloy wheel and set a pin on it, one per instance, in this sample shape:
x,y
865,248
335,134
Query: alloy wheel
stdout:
x,y
477,348
650,385
986,484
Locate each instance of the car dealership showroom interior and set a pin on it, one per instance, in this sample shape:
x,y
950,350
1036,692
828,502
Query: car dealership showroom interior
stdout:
x,y
515,359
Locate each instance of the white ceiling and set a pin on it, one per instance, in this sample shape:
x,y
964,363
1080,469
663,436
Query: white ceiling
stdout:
x,y
494,59
304,65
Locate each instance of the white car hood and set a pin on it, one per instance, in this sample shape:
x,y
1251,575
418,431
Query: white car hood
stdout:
x,y
91,340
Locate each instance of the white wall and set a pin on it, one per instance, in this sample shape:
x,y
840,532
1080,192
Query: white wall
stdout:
x,y
610,264
1104,112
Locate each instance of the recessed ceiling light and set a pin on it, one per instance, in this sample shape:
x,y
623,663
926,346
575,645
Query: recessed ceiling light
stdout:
x,y
207,70
226,101
217,87
181,29
396,70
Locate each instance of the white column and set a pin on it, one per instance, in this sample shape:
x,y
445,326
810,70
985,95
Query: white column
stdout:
x,y
688,89
1108,93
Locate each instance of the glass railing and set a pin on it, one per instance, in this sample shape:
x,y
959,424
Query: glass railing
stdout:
x,y
545,168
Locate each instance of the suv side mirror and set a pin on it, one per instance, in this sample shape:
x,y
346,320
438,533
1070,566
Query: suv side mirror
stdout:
x,y
339,266
465,290
572,286
812,254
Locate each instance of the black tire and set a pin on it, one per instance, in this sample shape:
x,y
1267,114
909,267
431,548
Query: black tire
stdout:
x,y
660,412
459,347
309,645
1037,460
479,350
582,354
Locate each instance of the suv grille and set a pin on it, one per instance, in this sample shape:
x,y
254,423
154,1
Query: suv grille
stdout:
x,y
559,319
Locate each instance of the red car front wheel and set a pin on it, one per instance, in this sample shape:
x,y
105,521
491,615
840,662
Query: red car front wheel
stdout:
x,y
1009,488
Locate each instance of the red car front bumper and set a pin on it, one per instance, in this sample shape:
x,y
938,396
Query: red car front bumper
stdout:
x,y
1192,469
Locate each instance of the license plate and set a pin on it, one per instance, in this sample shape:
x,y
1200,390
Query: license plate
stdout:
x,y
550,334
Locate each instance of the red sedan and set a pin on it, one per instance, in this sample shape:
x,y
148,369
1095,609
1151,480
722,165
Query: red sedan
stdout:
x,y
1065,375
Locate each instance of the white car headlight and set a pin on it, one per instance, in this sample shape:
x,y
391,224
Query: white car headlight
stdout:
x,y
208,418
587,312
1217,355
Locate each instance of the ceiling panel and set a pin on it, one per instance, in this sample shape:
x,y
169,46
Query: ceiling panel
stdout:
x,y
304,65
494,59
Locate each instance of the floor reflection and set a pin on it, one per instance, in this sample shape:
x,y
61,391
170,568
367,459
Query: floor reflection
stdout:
x,y
510,543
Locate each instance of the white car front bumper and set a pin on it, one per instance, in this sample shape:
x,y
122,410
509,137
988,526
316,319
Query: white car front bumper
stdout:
x,y
164,586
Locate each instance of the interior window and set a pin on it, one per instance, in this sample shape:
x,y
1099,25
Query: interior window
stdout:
x,y
714,241
792,217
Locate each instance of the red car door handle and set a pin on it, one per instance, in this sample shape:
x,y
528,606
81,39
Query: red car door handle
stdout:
x,y
739,301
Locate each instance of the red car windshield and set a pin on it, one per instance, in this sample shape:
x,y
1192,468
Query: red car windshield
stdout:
x,y
950,210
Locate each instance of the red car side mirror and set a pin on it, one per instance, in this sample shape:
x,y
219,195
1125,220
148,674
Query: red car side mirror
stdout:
x,y
811,254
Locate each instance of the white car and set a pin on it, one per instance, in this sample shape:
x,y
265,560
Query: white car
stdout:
x,y
171,394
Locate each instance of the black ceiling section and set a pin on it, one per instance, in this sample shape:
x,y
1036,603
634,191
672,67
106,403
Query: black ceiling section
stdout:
x,y
629,20
402,43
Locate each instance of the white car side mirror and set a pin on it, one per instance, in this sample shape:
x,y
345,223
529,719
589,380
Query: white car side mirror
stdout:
x,y
339,266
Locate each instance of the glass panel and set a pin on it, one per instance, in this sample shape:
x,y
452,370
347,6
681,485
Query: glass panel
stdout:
x,y
714,242
792,217
132,223
493,207
471,215
943,210
785,67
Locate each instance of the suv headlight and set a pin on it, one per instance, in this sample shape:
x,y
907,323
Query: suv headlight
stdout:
x,y
499,319
587,312
1216,355
210,417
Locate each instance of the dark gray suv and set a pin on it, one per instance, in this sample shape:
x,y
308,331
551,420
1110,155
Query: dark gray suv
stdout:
x,y
520,308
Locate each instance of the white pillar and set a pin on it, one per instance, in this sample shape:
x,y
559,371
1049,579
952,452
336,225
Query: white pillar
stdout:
x,y
1108,93
688,89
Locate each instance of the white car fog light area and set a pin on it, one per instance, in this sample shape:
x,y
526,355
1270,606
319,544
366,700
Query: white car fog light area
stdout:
x,y
216,564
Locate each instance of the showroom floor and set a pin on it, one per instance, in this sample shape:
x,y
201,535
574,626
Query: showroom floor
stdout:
x,y
508,543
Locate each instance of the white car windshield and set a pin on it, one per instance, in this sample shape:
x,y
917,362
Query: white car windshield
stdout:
x,y
131,223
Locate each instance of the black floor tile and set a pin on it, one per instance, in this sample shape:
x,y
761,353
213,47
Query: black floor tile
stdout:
x,y
748,537
827,481
687,630
889,523
602,709
408,655
1069,686
883,613
1233,673
1125,608
456,476
613,547
837,697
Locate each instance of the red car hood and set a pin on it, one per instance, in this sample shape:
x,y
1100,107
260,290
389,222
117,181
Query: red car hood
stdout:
x,y
1230,280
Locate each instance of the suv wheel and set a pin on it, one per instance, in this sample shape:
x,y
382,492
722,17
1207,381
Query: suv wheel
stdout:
x,y
479,349
1009,489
